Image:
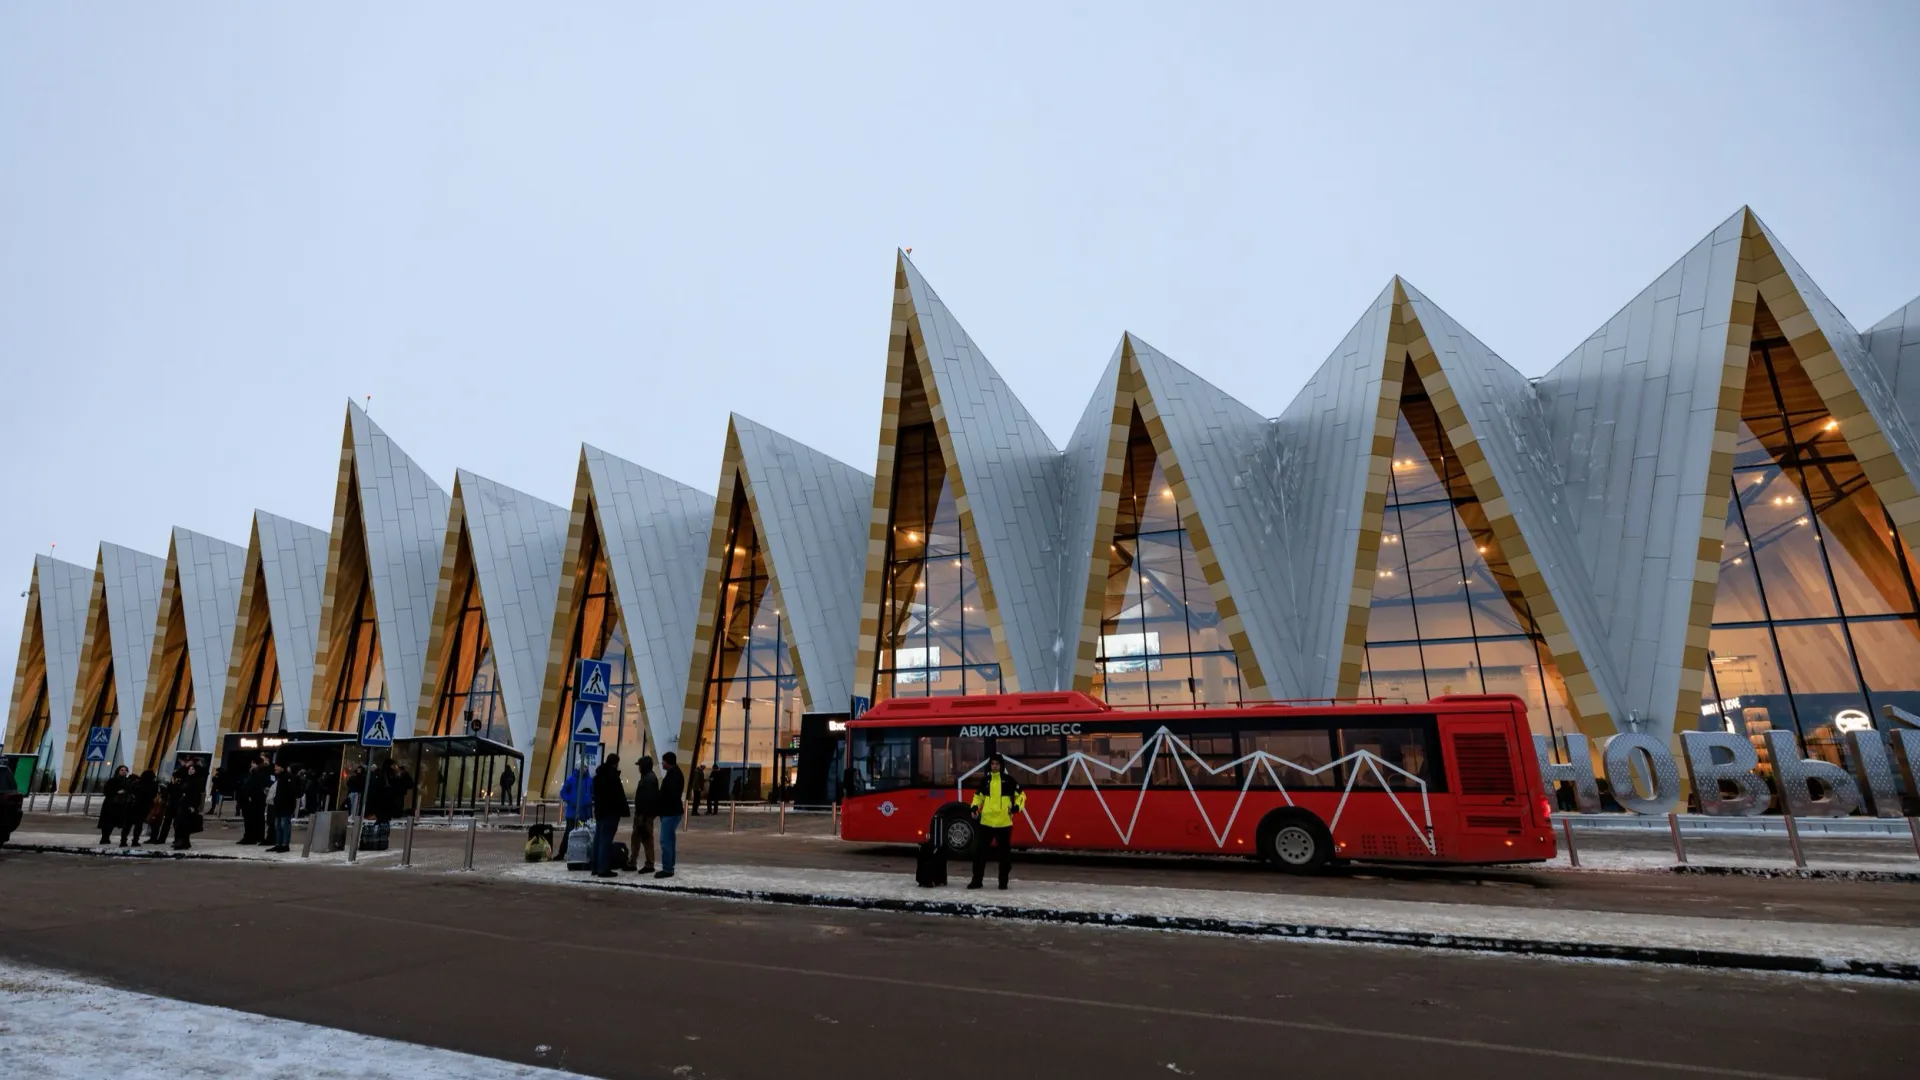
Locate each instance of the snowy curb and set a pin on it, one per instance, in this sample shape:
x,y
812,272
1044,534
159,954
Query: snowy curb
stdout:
x,y
1418,939
1806,873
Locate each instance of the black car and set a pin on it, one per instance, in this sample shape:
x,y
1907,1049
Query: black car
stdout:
x,y
10,805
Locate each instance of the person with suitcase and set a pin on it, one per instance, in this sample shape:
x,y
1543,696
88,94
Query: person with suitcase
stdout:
x,y
609,806
996,799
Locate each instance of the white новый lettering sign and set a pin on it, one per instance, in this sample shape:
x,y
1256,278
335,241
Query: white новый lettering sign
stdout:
x,y
1804,787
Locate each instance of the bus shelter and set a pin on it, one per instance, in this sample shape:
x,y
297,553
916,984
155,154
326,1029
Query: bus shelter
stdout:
x,y
323,752
460,773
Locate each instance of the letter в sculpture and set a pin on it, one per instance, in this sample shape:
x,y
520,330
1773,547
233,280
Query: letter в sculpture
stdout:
x,y
1710,769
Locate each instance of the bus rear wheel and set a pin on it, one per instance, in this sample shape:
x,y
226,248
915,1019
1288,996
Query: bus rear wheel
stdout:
x,y
1296,842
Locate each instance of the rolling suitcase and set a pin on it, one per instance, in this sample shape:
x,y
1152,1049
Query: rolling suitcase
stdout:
x,y
580,847
930,865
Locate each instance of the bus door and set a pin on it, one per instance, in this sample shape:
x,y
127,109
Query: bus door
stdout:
x,y
1487,787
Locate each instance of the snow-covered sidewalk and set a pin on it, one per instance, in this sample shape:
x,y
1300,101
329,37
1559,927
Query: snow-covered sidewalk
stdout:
x,y
1889,951
215,846
55,1026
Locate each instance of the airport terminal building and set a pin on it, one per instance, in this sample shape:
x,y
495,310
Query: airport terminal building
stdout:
x,y
1702,518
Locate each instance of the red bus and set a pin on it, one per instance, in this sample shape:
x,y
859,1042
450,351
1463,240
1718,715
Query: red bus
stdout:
x,y
1301,786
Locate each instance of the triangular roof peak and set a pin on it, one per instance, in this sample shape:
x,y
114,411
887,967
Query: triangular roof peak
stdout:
x,y
515,545
1006,474
202,586
56,616
403,520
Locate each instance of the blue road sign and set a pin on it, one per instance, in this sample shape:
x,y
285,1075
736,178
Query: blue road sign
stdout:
x,y
596,678
586,722
99,741
860,705
376,728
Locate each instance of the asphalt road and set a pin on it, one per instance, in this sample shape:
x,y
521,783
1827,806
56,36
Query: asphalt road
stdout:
x,y
809,843
617,983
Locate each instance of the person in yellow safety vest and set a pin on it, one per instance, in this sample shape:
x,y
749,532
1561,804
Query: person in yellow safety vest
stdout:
x,y
996,798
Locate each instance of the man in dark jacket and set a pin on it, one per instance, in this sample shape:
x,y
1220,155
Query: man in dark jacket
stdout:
x,y
115,806
253,802
646,792
509,796
145,791
188,790
609,806
666,806
286,799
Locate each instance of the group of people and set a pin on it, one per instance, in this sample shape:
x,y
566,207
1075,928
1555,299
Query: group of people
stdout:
x,y
272,794
657,799
709,791
133,803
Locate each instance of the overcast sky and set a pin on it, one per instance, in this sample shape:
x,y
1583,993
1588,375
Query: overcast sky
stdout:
x,y
519,226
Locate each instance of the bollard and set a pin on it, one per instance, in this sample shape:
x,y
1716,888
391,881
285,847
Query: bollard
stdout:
x,y
406,843
1913,827
314,820
353,837
731,805
836,819
473,830
1679,845
1573,853
1793,841
86,808
783,817
69,801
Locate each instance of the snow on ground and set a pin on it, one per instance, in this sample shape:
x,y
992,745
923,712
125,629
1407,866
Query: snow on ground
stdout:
x,y
214,846
55,1026
1664,860
1882,944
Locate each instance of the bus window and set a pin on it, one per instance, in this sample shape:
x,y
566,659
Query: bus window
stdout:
x,y
1305,750
1033,751
940,760
880,761
1405,747
1176,767
1116,751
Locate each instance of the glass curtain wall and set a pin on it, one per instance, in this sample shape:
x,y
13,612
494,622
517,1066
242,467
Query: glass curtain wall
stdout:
x,y
934,636
363,679
752,694
39,721
1447,615
360,679
598,633
176,729
90,775
1814,621
1161,643
264,709
469,701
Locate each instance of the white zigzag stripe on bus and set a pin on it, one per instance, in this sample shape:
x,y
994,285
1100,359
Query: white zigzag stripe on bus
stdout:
x,y
1181,753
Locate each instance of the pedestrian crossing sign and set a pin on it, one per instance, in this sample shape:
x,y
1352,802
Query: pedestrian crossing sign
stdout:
x,y
376,728
586,721
99,742
596,678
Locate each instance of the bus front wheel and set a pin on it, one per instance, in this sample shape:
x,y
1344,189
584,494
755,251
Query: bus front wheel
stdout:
x,y
956,833
1296,842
